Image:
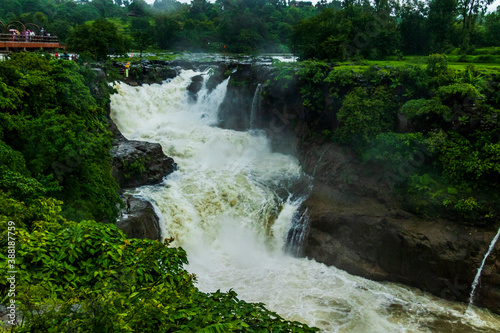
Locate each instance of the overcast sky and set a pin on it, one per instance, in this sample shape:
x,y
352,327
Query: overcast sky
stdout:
x,y
491,8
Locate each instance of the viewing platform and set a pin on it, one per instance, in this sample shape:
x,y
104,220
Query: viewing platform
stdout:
x,y
20,42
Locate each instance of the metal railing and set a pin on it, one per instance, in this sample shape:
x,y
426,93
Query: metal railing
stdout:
x,y
22,38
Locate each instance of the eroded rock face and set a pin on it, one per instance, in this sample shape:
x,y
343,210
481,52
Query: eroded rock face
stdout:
x,y
357,225
195,87
138,163
141,221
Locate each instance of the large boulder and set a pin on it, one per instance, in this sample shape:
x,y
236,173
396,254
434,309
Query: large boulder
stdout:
x,y
194,87
140,221
138,163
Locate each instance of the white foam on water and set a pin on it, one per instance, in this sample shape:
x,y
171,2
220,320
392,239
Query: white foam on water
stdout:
x,y
224,208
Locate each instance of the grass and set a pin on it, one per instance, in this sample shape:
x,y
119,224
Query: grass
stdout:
x,y
453,63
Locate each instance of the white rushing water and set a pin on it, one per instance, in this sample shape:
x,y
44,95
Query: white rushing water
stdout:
x,y
231,205
480,269
255,106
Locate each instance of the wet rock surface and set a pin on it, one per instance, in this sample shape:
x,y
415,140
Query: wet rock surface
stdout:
x,y
195,87
138,163
357,225
140,221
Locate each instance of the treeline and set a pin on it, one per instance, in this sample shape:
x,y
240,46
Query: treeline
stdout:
x,y
376,31
76,274
431,133
334,30
240,26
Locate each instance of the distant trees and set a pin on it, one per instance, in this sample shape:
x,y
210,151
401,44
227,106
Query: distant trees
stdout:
x,y
442,14
341,34
142,33
98,39
492,27
334,30
413,28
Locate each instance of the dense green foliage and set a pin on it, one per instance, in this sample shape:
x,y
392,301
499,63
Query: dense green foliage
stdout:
x,y
434,131
54,137
240,26
98,39
362,30
88,277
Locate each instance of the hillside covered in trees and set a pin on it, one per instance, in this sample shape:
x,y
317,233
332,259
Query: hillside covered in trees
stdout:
x,y
330,30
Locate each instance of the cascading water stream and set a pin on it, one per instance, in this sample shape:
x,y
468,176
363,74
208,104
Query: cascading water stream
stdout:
x,y
233,206
255,106
480,269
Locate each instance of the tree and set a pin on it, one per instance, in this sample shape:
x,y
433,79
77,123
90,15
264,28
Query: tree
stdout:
x,y
469,10
364,115
413,27
138,8
442,15
492,25
59,131
99,39
141,33
166,26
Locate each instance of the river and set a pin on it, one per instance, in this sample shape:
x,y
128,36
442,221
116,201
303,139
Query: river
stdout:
x,y
230,206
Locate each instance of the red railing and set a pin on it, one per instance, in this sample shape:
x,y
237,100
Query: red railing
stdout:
x,y
22,38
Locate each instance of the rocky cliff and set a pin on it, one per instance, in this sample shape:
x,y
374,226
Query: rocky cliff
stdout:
x,y
357,222
138,163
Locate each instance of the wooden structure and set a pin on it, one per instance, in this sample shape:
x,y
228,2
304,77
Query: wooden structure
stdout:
x,y
22,42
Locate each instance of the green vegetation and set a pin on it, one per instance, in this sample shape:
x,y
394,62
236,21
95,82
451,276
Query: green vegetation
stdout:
x,y
329,31
98,39
88,277
55,180
430,122
234,26
53,131
432,129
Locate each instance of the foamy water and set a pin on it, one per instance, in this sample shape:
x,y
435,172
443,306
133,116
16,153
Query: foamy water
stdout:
x,y
230,206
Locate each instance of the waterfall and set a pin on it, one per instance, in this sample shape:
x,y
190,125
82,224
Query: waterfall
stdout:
x,y
255,106
480,269
297,233
234,206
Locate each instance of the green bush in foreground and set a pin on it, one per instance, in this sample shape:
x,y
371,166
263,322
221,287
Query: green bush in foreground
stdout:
x,y
87,277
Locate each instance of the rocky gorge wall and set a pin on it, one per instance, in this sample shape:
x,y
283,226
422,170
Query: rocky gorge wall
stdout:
x,y
356,220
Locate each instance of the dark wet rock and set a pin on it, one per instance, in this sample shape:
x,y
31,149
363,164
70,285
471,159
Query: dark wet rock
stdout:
x,y
194,87
147,72
218,75
138,163
141,221
234,112
356,224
